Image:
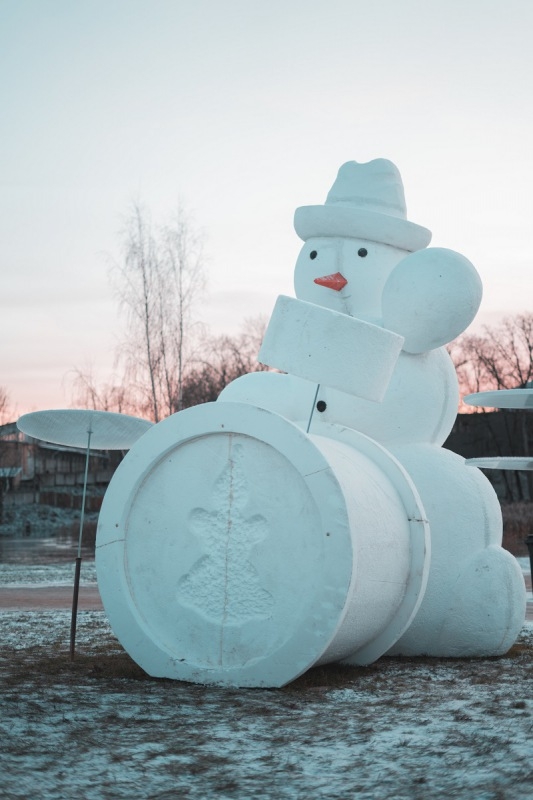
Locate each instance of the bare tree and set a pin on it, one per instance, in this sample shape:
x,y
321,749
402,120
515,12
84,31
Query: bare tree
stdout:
x,y
217,361
182,282
222,360
136,285
501,357
88,393
5,406
161,277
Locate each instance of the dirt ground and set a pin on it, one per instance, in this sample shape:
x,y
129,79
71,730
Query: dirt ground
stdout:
x,y
99,728
60,597
49,598
400,729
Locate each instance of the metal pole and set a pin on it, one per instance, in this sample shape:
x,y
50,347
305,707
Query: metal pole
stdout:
x,y
529,543
78,558
312,408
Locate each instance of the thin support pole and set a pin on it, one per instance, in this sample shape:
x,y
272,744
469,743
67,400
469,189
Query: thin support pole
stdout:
x,y
529,542
76,592
74,607
312,408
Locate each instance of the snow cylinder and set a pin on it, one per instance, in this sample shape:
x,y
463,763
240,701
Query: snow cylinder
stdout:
x,y
331,348
235,549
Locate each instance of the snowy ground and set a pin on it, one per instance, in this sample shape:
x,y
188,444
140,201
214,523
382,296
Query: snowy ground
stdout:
x,y
401,728
34,575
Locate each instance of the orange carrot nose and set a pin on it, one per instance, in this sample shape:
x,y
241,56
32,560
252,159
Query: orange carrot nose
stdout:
x,y
335,282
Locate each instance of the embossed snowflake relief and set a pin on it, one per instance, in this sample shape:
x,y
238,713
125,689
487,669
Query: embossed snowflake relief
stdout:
x,y
223,584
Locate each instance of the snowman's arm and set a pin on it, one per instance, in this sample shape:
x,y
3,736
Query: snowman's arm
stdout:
x,y
431,297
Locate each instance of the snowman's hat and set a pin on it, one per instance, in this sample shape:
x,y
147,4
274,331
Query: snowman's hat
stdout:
x,y
365,202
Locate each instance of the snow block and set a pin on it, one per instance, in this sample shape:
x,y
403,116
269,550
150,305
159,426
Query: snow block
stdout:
x,y
330,348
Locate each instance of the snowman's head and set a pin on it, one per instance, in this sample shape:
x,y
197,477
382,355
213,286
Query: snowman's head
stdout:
x,y
355,239
345,274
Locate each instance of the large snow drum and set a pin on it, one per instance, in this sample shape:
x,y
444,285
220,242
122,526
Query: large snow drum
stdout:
x,y
235,549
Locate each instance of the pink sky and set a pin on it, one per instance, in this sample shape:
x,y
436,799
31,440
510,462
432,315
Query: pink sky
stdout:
x,y
244,111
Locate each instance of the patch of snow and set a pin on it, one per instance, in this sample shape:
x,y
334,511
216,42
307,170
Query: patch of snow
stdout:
x,y
525,564
26,575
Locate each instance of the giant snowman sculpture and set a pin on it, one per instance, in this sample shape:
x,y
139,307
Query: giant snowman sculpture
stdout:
x,y
313,516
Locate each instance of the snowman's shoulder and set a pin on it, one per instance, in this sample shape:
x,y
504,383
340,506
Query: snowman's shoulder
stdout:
x,y
284,394
429,377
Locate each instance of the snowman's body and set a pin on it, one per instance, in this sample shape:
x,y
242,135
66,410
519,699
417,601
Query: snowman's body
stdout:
x,y
475,598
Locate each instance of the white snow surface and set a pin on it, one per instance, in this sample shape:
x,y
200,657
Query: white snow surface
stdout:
x,y
34,575
401,728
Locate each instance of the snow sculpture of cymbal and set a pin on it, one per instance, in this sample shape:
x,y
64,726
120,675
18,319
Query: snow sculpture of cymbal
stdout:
x,y
313,516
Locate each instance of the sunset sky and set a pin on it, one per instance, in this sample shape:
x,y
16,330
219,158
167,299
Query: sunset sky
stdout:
x,y
244,110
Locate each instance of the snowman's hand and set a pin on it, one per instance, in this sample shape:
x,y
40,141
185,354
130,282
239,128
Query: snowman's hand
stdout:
x,y
431,297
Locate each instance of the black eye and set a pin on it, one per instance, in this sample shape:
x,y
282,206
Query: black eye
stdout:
x,y
362,252
313,254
